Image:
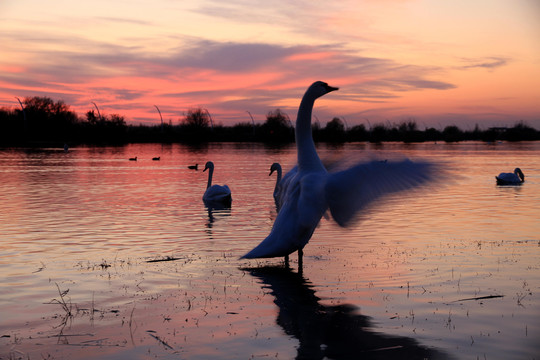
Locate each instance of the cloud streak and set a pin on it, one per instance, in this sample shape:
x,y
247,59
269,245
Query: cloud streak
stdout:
x,y
488,63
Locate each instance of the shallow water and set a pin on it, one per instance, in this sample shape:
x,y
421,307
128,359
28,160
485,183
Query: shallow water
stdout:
x,y
451,271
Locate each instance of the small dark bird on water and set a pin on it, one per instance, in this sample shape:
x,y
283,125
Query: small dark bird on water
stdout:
x,y
133,159
156,158
194,167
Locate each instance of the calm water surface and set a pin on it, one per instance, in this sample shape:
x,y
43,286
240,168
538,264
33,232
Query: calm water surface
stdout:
x,y
451,271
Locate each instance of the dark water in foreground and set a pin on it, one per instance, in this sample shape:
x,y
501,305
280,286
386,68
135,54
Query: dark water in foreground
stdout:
x,y
451,271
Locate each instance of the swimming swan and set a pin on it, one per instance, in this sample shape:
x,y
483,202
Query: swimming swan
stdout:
x,y
311,190
281,183
277,168
515,178
215,193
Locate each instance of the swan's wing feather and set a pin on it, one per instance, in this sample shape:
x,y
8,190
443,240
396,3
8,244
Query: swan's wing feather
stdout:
x,y
351,190
217,193
507,176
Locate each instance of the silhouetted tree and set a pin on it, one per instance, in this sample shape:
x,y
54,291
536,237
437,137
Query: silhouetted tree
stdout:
x,y
334,130
432,134
378,133
49,120
452,134
358,133
195,127
521,131
197,118
276,127
408,132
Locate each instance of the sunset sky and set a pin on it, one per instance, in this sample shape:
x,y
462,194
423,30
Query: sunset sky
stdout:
x,y
441,62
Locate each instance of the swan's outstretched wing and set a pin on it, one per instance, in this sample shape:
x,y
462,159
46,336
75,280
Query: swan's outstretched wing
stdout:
x,y
351,190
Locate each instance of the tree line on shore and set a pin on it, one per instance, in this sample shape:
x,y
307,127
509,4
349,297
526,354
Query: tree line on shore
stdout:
x,y
42,120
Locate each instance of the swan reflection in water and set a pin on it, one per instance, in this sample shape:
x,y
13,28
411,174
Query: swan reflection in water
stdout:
x,y
332,332
216,211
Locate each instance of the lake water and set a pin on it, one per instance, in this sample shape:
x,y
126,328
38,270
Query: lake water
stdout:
x,y
450,271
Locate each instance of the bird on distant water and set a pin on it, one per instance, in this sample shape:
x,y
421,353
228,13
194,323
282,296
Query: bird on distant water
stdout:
x,y
277,168
281,183
515,178
194,167
215,193
133,159
312,190
156,158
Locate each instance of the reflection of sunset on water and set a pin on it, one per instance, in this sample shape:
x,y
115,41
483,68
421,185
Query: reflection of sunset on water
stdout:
x,y
438,266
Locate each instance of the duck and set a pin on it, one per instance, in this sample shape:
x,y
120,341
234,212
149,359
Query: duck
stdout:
x,y
193,167
133,159
156,158
217,194
311,190
515,178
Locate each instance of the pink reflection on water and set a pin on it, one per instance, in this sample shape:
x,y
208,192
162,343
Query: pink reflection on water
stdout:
x,y
90,219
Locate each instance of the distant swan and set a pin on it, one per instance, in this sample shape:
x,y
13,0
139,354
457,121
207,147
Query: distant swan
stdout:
x,y
277,168
281,183
215,193
311,190
133,159
515,178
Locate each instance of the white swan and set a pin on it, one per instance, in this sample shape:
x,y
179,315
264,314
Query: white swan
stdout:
x,y
282,183
311,190
277,168
215,193
515,178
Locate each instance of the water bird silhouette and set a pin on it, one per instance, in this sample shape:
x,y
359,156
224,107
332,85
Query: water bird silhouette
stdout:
x,y
215,194
311,190
277,168
515,178
133,159
281,183
156,158
194,167
331,332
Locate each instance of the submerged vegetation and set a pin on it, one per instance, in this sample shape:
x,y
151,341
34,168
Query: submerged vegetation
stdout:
x,y
42,120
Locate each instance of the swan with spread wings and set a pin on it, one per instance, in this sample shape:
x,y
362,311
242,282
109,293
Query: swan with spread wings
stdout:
x,y
311,190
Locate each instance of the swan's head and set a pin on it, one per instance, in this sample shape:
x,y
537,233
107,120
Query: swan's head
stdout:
x,y
320,88
209,165
519,173
274,167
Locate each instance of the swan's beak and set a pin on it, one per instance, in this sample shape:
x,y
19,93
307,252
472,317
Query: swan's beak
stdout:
x,y
331,88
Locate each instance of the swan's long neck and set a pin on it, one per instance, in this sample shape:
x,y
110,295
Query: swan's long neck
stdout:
x,y
210,173
519,174
307,154
278,179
